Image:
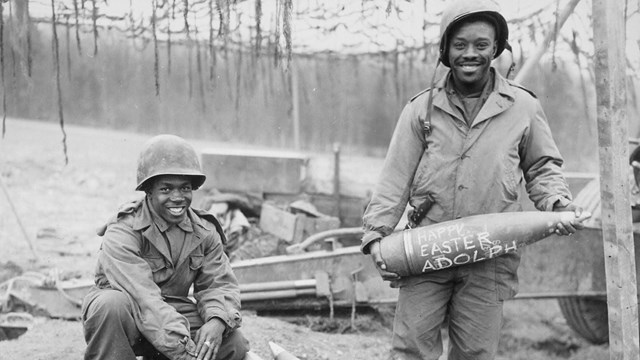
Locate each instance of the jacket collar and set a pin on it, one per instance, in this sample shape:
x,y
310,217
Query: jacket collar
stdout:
x,y
186,224
500,99
144,221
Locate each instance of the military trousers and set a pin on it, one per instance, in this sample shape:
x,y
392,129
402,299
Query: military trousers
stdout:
x,y
111,333
468,300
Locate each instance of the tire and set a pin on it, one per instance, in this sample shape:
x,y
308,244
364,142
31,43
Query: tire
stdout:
x,y
586,316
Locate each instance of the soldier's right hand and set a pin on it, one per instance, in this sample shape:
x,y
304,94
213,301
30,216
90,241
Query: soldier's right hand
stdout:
x,y
374,249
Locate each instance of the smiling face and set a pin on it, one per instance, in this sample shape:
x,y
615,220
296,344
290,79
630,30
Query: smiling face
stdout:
x,y
471,49
170,196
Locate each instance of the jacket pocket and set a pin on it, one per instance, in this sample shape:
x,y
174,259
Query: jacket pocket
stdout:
x,y
158,268
156,264
506,268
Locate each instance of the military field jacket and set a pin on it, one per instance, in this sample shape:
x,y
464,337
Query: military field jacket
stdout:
x,y
135,259
469,170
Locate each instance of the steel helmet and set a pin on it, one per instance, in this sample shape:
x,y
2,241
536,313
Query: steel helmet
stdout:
x,y
169,155
459,10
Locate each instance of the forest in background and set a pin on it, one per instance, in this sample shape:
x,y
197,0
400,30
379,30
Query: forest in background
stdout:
x,y
247,97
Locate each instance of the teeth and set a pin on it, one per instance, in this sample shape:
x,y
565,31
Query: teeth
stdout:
x,y
175,211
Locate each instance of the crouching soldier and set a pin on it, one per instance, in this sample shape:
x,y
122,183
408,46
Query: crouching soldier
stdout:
x,y
152,252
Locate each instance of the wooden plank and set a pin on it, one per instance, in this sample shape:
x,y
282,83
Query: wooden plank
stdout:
x,y
283,224
256,171
620,266
316,225
293,228
351,207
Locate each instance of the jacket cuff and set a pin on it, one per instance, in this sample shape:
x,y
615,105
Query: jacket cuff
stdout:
x,y
231,318
551,201
187,349
369,237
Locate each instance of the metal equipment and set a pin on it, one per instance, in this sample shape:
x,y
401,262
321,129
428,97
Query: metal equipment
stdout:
x,y
569,269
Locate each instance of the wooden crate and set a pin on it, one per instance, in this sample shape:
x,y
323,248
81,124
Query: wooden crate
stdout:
x,y
293,228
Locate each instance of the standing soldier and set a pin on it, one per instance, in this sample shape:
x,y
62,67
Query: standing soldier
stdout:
x,y
463,147
152,252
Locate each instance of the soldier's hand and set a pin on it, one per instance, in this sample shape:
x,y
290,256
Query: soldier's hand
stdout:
x,y
569,227
208,339
374,249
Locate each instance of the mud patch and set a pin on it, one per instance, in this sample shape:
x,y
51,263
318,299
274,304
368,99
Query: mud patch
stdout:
x,y
559,347
364,321
556,347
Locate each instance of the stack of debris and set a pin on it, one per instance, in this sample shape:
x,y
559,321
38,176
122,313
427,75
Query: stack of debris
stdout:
x,y
38,294
14,324
256,228
44,295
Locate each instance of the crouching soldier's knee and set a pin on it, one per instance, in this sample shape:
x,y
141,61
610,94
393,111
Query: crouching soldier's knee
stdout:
x,y
106,306
109,328
233,347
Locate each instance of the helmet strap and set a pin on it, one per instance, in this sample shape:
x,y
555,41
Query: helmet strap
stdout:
x,y
426,125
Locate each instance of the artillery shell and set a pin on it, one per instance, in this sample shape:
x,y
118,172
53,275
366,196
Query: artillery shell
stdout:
x,y
467,240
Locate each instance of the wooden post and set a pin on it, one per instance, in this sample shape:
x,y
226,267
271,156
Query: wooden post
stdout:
x,y
617,229
32,247
295,101
336,180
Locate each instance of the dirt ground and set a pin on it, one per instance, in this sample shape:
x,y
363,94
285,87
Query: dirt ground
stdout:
x,y
59,207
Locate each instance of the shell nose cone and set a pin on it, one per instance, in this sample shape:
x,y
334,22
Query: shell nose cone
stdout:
x,y
279,353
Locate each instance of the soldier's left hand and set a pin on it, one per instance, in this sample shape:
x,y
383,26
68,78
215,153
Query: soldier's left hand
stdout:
x,y
569,227
208,339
